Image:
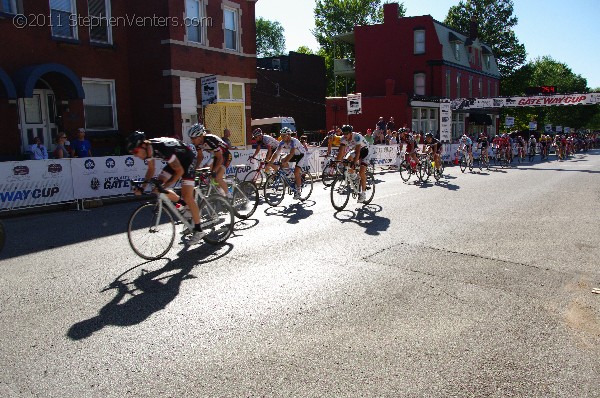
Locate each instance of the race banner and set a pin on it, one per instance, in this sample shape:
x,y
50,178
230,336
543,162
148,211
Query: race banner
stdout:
x,y
536,100
35,182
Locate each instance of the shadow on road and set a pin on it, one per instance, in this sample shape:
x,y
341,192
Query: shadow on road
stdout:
x,y
366,217
149,292
294,213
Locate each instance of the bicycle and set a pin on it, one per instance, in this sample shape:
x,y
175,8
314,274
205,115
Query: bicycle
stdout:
x,y
520,154
531,154
244,199
428,167
151,227
465,161
330,171
276,184
484,159
258,176
344,186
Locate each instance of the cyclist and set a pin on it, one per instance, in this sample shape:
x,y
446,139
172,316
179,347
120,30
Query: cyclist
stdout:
x,y
181,163
407,138
333,139
434,146
296,154
532,143
543,145
521,147
465,144
483,145
557,143
220,150
264,139
358,150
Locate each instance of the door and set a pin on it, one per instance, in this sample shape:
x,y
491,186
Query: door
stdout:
x,y
38,119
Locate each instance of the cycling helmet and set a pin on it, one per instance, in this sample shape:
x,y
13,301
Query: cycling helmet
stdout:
x,y
135,139
196,130
285,131
346,128
431,135
256,133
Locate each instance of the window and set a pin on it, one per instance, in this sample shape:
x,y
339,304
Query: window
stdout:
x,y
487,61
480,87
458,85
99,104
11,6
425,120
99,12
231,92
470,86
419,41
448,82
62,16
458,125
420,83
456,45
194,21
489,86
230,17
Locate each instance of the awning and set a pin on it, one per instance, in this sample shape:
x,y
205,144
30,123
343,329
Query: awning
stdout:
x,y
481,119
26,78
345,37
7,88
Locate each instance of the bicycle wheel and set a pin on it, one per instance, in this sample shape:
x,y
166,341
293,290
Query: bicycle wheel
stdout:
x,y
245,199
340,193
470,163
255,177
151,231
328,174
424,170
307,186
370,192
405,171
216,219
274,190
463,164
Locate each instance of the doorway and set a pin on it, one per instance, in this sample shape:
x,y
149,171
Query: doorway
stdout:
x,y
38,119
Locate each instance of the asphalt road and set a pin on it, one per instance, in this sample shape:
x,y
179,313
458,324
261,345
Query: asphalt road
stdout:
x,y
480,286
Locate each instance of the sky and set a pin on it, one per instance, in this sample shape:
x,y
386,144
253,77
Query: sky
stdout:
x,y
566,30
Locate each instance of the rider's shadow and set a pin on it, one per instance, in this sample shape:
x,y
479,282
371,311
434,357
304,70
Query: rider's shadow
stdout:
x,y
150,292
366,217
297,211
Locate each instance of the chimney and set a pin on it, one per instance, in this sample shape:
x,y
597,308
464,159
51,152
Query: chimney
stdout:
x,y
473,33
390,13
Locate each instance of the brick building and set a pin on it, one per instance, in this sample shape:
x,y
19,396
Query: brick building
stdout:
x,y
291,85
404,66
115,66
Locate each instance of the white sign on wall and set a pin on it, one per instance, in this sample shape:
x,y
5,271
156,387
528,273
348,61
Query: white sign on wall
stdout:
x,y
354,104
445,120
209,90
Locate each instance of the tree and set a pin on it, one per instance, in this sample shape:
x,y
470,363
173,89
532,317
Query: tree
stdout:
x,y
334,17
495,24
305,50
545,71
269,38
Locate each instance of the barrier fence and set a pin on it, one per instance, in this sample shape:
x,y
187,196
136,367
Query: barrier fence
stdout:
x,y
44,182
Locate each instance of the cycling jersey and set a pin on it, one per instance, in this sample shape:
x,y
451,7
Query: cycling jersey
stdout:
x,y
293,144
465,141
435,144
411,144
483,141
169,149
521,142
356,139
269,141
213,143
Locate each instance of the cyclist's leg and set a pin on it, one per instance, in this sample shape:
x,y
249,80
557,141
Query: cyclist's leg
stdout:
x,y
187,192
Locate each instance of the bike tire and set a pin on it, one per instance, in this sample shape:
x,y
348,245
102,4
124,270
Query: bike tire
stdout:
x,y
370,192
470,163
340,193
255,177
274,190
217,219
151,231
245,200
405,171
328,175
463,164
307,186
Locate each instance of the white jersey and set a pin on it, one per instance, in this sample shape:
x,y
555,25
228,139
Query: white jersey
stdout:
x,y
356,139
269,141
293,144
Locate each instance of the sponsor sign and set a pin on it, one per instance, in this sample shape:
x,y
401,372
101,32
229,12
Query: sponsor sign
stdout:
x,y
548,128
559,129
535,100
445,121
532,126
209,90
509,121
354,104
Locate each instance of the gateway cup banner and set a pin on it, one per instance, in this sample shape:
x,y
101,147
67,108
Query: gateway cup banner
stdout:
x,y
536,100
37,182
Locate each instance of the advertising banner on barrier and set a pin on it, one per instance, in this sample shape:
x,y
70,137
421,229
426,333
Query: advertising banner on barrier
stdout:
x,y
106,176
35,182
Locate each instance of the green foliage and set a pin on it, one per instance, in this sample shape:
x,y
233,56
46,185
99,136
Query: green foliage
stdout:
x,y
495,23
305,50
270,40
545,71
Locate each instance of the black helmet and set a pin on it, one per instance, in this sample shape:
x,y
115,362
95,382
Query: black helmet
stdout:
x,y
135,139
428,135
346,128
257,132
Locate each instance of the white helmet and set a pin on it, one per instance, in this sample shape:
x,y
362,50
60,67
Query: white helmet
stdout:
x,y
196,130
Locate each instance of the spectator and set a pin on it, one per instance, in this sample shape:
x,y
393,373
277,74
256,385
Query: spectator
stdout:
x,y
388,137
304,141
81,147
61,150
226,135
380,125
390,126
38,150
369,137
